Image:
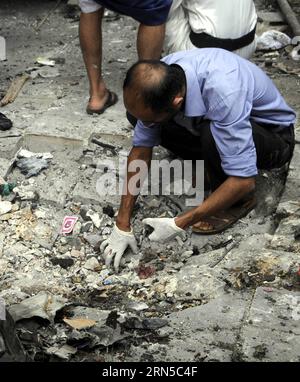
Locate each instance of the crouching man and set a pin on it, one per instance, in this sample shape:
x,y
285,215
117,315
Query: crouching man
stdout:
x,y
206,104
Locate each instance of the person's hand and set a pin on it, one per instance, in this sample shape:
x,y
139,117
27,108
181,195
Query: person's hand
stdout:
x,y
115,246
165,229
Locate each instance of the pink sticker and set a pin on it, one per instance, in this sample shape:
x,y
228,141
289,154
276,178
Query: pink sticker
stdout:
x,y
68,224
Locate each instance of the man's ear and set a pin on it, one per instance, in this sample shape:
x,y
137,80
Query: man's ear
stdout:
x,y
177,101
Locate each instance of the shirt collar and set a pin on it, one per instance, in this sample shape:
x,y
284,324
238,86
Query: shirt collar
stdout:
x,y
194,104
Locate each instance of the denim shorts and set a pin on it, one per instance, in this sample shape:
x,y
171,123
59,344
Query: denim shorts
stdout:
x,y
147,12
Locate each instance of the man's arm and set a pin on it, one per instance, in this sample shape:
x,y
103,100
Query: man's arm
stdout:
x,y
232,190
128,200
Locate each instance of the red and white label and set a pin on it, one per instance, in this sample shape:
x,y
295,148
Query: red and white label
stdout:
x,y
68,224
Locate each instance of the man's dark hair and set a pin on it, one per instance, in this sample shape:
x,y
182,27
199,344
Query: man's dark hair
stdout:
x,y
156,83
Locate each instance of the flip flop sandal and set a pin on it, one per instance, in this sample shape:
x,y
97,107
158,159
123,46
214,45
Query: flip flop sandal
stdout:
x,y
5,123
111,100
225,219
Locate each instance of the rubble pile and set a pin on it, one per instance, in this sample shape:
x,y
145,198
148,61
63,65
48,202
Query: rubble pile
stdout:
x,y
229,297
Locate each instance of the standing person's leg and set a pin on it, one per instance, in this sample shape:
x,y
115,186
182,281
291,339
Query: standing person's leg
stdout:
x,y
152,16
150,41
90,35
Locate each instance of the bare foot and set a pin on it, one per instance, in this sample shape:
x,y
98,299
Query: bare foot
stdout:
x,y
97,101
204,226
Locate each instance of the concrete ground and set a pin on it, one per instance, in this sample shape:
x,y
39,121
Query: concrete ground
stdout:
x,y
229,297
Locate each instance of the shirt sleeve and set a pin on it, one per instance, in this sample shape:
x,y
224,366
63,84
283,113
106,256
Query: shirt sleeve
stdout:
x,y
89,6
146,136
232,132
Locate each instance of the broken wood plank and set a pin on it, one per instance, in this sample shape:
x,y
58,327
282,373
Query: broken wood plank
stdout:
x,y
271,17
14,89
80,323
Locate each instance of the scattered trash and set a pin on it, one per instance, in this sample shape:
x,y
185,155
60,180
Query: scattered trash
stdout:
x,y
58,60
43,305
45,61
79,323
104,274
94,218
68,224
7,188
28,154
273,40
32,164
295,53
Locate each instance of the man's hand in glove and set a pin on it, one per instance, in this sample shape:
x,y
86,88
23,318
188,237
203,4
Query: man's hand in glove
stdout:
x,y
116,245
165,229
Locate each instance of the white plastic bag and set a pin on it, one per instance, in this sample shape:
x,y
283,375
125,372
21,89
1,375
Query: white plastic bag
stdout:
x,y
273,40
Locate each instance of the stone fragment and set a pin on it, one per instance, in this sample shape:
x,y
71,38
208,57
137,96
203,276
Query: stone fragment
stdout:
x,y
93,240
64,262
64,352
86,227
5,207
92,264
288,208
44,305
95,218
137,306
108,210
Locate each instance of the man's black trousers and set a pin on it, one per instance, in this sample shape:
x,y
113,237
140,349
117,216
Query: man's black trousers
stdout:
x,y
274,149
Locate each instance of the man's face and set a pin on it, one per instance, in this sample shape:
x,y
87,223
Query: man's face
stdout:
x,y
145,114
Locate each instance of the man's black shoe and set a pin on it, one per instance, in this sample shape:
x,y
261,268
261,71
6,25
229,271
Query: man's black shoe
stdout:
x,y
5,123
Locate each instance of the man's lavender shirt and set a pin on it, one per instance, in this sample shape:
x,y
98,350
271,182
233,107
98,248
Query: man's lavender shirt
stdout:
x,y
229,91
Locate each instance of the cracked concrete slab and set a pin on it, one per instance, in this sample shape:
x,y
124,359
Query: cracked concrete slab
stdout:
x,y
272,330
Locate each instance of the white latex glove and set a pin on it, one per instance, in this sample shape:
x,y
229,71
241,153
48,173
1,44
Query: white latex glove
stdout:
x,y
116,245
165,229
